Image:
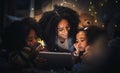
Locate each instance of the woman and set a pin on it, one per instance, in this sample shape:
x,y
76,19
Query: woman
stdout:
x,y
90,49
58,27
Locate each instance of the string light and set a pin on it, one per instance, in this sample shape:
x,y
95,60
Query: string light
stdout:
x,y
95,12
90,3
103,26
95,21
101,4
32,8
116,1
89,9
115,25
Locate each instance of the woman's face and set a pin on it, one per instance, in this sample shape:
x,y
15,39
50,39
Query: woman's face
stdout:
x,y
81,40
31,39
63,29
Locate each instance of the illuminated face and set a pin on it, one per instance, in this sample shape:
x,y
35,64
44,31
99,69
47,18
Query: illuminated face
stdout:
x,y
63,29
31,39
81,41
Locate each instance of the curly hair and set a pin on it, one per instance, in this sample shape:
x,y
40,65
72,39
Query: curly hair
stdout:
x,y
92,33
16,34
49,22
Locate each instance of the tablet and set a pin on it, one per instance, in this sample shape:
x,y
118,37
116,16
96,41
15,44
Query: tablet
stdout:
x,y
56,60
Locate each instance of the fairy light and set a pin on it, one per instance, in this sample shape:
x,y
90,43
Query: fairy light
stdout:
x,y
116,1
95,12
90,3
89,9
101,4
115,25
103,26
95,20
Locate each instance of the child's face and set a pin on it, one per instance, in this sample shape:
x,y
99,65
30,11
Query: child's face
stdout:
x,y
81,41
31,39
63,29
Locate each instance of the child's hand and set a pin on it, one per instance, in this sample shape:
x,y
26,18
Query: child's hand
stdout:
x,y
77,50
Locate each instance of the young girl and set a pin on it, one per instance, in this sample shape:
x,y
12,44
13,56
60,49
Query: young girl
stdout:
x,y
89,47
21,40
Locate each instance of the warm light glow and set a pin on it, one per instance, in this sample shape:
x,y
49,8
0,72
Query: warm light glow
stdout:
x,y
103,26
95,12
95,21
101,4
41,42
32,8
89,9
